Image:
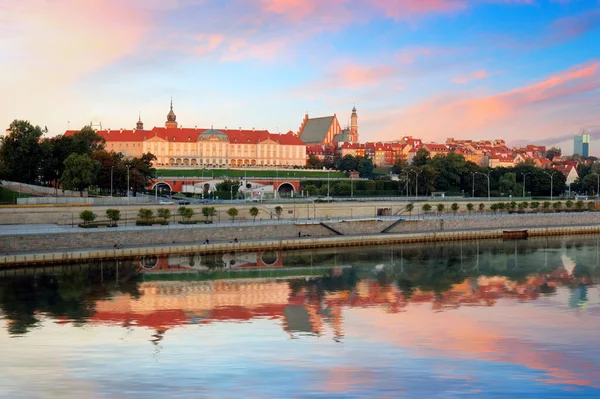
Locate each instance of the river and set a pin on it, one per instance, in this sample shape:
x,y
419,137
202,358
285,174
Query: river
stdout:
x,y
515,318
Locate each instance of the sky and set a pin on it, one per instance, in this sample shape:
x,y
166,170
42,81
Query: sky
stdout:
x,y
527,71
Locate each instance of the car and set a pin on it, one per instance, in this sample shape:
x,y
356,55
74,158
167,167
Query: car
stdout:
x,y
184,202
165,202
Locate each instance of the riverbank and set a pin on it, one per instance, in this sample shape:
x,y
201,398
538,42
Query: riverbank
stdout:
x,y
137,251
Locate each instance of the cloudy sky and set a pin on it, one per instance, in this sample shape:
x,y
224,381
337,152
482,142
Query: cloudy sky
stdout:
x,y
523,70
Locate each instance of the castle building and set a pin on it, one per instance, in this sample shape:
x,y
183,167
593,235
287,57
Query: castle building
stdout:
x,y
174,146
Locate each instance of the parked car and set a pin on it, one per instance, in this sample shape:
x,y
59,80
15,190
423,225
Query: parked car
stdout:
x,y
184,202
166,202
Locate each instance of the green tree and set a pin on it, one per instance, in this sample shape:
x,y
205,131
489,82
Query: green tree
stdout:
x,y
440,208
146,214
80,172
591,206
481,207
409,208
208,212
399,165
470,207
569,204
310,189
141,172
278,211
87,141
365,167
554,152
87,217
534,205
523,206
421,158
229,186
314,162
114,215
21,153
450,169
426,208
164,213
579,204
454,208
187,213
347,163
254,212
232,212
546,205
557,205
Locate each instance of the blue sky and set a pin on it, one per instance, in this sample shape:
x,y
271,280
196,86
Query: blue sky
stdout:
x,y
522,70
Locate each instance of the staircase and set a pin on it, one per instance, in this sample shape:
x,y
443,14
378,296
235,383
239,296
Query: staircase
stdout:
x,y
331,229
391,226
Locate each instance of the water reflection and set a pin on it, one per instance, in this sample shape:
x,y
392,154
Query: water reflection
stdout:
x,y
529,309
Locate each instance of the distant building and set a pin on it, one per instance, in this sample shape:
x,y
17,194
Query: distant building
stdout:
x,y
326,130
581,145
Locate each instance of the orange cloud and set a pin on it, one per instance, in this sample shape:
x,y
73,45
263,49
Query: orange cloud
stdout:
x,y
356,76
476,75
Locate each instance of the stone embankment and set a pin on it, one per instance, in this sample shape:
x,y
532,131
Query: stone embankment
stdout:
x,y
278,232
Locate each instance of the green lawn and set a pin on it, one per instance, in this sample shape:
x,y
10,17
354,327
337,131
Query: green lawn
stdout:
x,y
9,196
217,173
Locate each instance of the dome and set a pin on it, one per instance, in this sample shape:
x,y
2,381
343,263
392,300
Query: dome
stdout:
x,y
171,117
210,133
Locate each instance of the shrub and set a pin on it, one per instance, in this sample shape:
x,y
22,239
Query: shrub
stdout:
x,y
164,213
557,205
409,208
440,208
87,217
579,204
146,215
185,213
232,212
454,207
534,205
481,207
569,204
254,212
426,208
278,211
546,205
470,207
591,205
208,212
114,215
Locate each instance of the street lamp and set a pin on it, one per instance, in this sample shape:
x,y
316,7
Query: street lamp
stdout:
x,y
417,182
598,189
488,179
128,166
327,183
524,174
473,187
551,182
111,180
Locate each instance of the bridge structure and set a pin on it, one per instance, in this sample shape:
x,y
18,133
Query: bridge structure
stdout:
x,y
195,184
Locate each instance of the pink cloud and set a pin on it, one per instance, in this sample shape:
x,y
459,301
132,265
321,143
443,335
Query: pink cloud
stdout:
x,y
549,107
569,27
355,76
475,75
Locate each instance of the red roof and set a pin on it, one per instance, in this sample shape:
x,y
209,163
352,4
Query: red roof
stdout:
x,y
191,134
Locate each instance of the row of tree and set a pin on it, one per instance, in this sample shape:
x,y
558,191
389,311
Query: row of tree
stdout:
x,y
73,162
451,173
362,164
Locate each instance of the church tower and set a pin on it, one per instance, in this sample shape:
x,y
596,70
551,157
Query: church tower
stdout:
x,y
171,118
354,121
139,124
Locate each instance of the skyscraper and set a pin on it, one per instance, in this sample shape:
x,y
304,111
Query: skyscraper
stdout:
x,y
581,145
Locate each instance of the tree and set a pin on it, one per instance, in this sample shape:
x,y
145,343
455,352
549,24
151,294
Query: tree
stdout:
x,y
554,152
232,212
481,207
314,162
141,172
591,206
114,215
186,213
347,163
421,158
557,205
440,208
87,217
470,207
365,167
399,164
546,205
569,204
229,186
426,208
145,214
579,204
454,208
164,213
534,205
208,212
80,171
409,208
278,211
254,212
21,153
87,141
310,189
523,205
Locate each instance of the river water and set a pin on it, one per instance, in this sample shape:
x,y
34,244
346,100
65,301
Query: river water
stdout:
x,y
491,319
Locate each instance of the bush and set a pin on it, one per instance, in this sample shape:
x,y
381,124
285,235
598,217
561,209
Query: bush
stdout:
x,y
165,214
579,204
481,207
591,206
569,204
87,217
114,215
186,213
454,207
146,215
426,208
232,212
470,207
440,208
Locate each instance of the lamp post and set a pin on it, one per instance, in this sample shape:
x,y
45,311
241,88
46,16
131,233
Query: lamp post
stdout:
x,y
327,183
524,175
111,180
598,188
128,166
473,187
551,182
417,182
488,179
407,179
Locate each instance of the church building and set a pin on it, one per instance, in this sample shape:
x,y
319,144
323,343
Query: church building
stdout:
x,y
326,130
